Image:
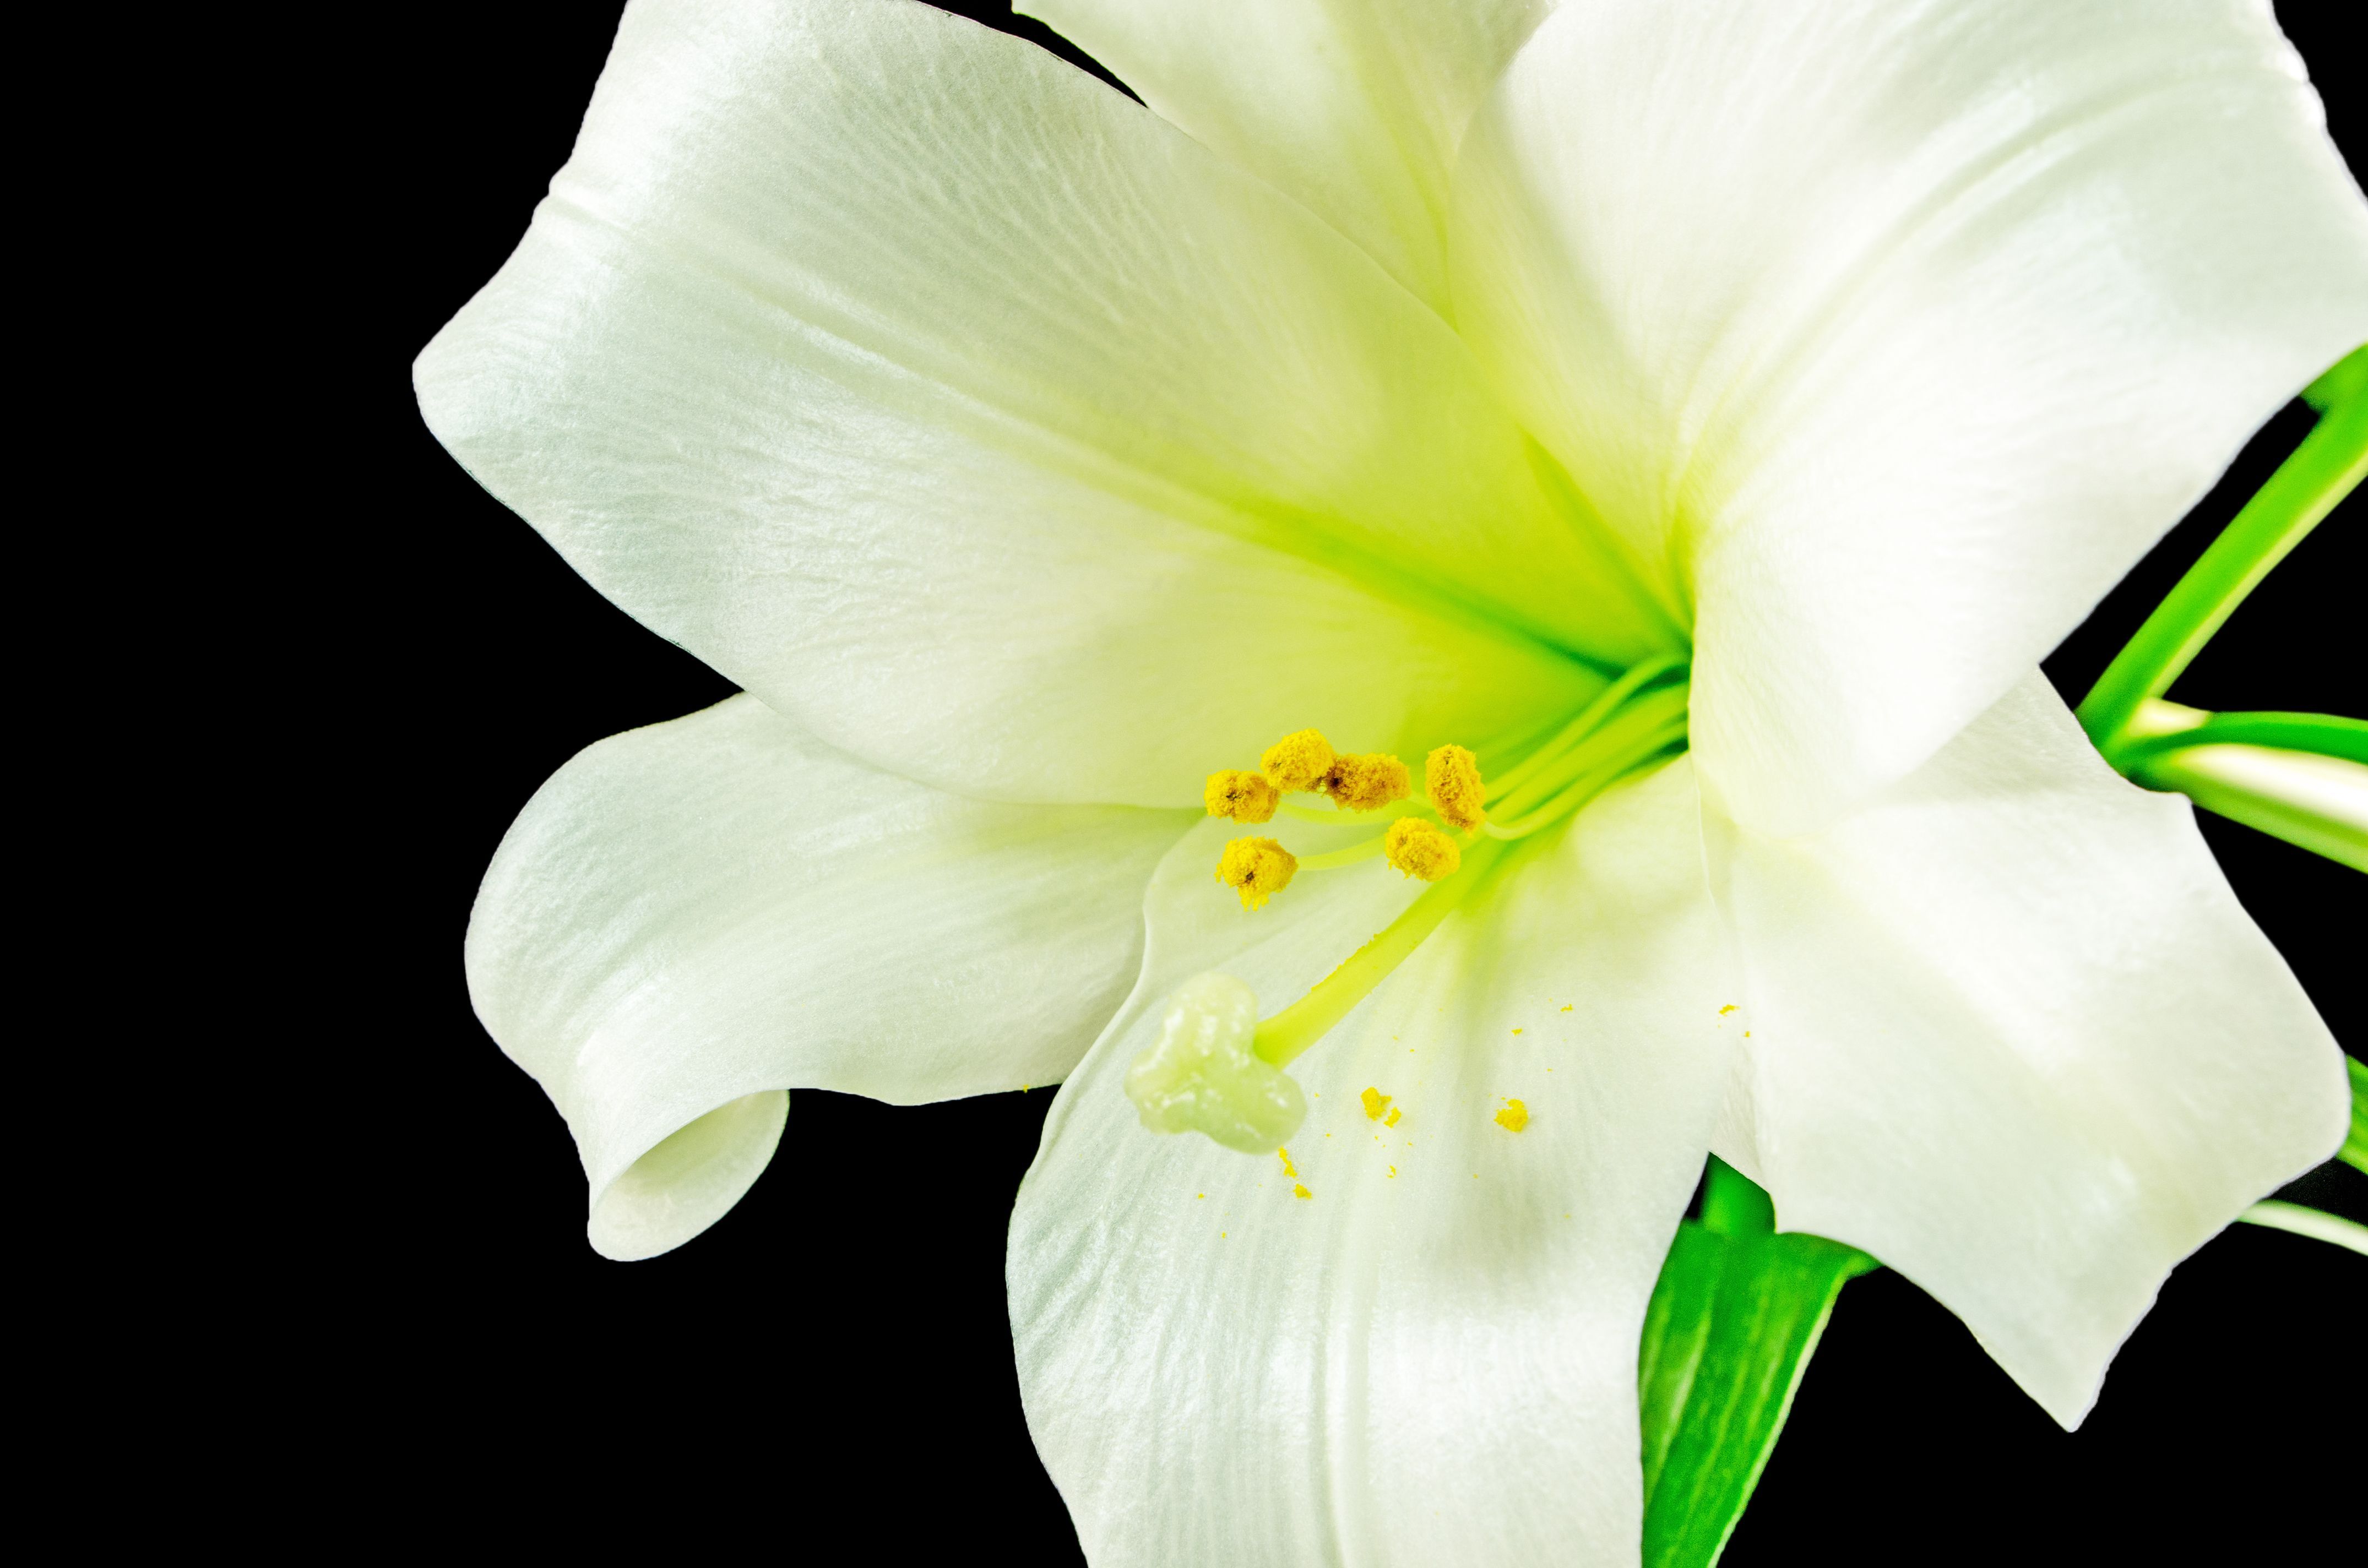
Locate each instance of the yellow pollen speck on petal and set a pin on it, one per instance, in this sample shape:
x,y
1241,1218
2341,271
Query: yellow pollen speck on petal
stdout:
x,y
1392,1119
1287,1168
1257,869
1297,761
1394,1170
1514,1117
1376,1102
1419,850
1450,776
1517,1031
1725,1010
1566,1006
1297,1191
1367,783
1242,795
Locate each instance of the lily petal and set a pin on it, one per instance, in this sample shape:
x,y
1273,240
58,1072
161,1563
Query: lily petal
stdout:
x,y
688,919
2012,1034
990,426
1431,1359
1895,333
1355,109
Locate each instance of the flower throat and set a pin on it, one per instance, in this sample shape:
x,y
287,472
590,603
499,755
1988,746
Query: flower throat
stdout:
x,y
1217,1067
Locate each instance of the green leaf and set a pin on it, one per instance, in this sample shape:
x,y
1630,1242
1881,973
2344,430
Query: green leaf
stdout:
x,y
2354,1152
1734,1317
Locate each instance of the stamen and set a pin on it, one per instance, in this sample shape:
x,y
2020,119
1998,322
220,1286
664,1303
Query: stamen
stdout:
x,y
1330,815
1367,782
1450,776
1242,795
1639,732
1257,869
1638,678
1203,1077
1355,854
1419,850
1297,761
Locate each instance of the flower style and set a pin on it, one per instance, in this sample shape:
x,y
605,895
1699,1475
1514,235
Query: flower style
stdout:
x,y
1422,375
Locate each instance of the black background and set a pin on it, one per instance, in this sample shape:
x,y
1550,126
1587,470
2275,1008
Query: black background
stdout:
x,y
830,1366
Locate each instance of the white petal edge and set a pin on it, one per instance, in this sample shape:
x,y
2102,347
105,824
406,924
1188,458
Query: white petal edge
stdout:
x,y
1895,333
2012,1034
688,918
1434,1366
690,1180
1165,466
1356,109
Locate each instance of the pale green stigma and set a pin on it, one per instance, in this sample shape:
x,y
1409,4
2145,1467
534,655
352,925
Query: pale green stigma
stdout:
x,y
1203,1075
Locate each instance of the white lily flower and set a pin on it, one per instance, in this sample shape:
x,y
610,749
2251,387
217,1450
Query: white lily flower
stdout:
x,y
1410,371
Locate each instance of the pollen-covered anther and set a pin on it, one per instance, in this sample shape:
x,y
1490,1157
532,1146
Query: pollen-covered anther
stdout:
x,y
1450,776
1257,869
1419,850
1367,781
1242,795
1297,762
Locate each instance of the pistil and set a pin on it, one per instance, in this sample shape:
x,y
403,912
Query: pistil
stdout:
x,y
1282,1039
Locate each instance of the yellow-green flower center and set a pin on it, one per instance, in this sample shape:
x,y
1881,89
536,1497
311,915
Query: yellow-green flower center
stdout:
x,y
1217,1072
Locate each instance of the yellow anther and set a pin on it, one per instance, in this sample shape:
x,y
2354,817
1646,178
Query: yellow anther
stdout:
x,y
1514,1117
1297,762
1376,1102
1367,782
1419,850
1450,776
1257,869
1242,795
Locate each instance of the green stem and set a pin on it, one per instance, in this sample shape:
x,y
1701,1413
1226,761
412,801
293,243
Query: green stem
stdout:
x,y
2354,1152
2324,734
1307,1020
2311,1222
2322,471
2189,771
